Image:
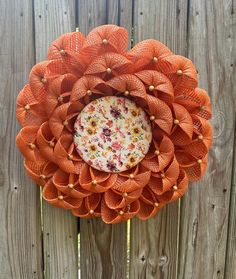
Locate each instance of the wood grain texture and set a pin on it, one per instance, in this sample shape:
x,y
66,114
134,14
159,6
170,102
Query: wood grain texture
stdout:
x,y
230,261
205,208
163,20
103,250
154,244
52,19
60,241
91,13
20,229
103,247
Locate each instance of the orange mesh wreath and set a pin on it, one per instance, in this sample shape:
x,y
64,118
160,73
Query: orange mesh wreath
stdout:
x,y
89,82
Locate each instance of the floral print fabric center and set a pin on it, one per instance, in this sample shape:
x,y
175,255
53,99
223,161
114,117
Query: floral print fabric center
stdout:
x,y
112,134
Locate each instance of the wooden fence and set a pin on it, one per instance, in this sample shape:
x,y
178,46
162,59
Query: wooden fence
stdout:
x,y
191,239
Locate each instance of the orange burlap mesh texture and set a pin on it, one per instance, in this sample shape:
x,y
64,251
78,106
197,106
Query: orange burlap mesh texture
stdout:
x,y
80,69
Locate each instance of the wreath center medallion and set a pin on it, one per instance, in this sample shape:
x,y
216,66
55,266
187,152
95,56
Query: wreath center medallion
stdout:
x,y
112,134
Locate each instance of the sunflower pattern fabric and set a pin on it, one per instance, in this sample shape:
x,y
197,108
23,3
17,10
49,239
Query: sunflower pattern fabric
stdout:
x,y
112,133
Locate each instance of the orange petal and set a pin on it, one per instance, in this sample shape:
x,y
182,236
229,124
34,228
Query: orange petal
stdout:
x,y
98,175
84,85
174,194
147,210
116,199
163,88
68,183
28,110
57,120
147,53
116,40
56,198
68,42
180,71
190,100
26,142
46,141
55,68
129,184
159,184
149,204
184,159
204,129
157,162
93,201
96,181
62,151
196,148
37,80
204,108
111,216
197,170
40,171
90,207
66,50
59,92
116,63
183,131
130,83
162,113
72,63
63,117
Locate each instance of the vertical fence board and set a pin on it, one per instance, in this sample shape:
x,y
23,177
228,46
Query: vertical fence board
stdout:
x,y
154,244
113,11
52,19
20,229
102,250
103,247
91,13
205,208
230,261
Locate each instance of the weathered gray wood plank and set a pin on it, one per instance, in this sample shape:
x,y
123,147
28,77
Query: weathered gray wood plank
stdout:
x,y
103,250
205,209
113,10
52,19
91,13
60,241
103,247
154,243
230,262
20,229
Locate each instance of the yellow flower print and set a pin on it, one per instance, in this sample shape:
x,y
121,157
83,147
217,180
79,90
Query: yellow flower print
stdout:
x,y
134,112
135,131
90,130
93,122
93,148
132,159
109,149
